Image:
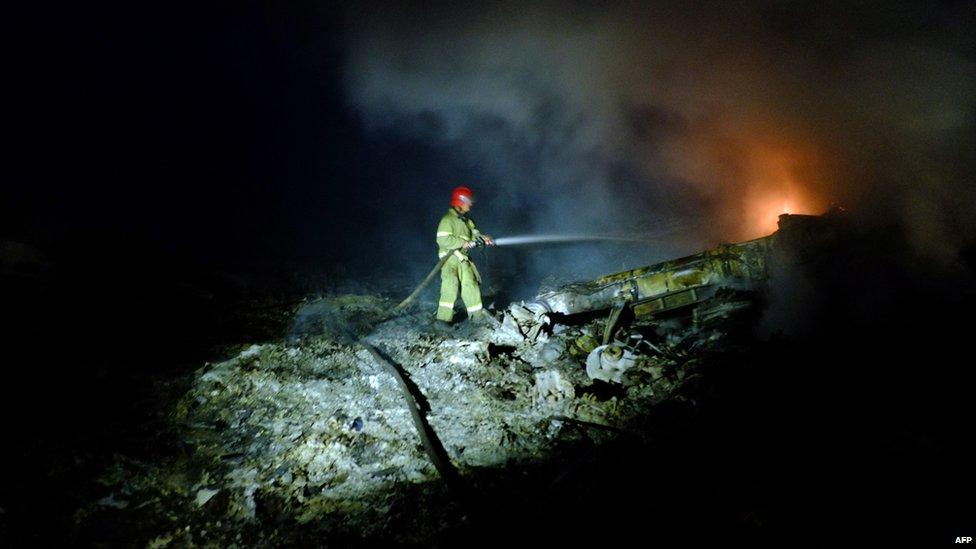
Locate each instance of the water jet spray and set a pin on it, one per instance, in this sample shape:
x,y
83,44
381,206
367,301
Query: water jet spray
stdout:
x,y
555,238
522,240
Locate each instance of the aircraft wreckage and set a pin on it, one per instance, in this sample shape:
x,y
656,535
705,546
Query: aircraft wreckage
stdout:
x,y
703,287
315,437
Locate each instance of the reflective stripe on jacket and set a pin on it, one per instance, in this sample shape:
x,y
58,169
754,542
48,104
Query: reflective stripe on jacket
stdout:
x,y
452,232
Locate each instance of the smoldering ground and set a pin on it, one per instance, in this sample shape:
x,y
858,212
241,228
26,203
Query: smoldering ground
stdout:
x,y
714,118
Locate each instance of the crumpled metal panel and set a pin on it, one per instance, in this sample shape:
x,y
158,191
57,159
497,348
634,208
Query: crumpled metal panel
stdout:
x,y
688,281
670,284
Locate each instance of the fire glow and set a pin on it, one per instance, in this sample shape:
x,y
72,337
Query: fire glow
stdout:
x,y
777,182
761,212
762,215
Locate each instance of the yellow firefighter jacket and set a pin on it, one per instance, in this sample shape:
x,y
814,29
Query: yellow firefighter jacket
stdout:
x,y
452,232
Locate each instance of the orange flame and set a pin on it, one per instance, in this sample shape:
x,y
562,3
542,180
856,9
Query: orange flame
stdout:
x,y
755,173
775,186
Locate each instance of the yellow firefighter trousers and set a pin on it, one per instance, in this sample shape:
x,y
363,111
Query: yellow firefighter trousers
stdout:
x,y
456,272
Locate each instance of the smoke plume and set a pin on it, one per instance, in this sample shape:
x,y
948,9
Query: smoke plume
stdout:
x,y
710,118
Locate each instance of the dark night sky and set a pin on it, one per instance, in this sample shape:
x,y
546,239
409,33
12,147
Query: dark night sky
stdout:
x,y
249,134
194,130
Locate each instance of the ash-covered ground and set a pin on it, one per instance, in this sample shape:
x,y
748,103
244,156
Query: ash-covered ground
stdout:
x,y
282,429
308,439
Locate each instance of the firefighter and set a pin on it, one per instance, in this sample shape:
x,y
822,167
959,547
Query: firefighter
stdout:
x,y
456,235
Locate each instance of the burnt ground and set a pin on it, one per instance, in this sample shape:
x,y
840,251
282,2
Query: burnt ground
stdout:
x,y
855,427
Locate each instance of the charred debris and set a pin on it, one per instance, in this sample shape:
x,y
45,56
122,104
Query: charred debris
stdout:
x,y
638,402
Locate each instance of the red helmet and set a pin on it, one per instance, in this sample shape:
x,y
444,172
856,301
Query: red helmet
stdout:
x,y
461,195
